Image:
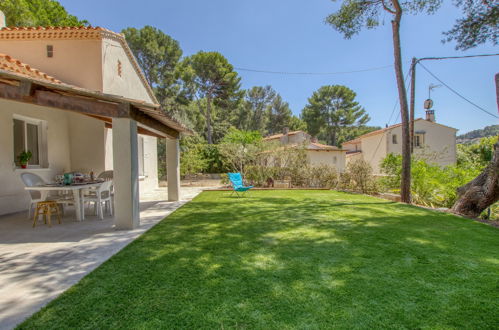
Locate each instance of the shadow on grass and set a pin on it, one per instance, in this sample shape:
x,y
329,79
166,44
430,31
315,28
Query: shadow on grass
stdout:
x,y
292,260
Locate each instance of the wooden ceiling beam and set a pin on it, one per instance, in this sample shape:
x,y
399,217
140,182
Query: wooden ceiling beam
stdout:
x,y
29,92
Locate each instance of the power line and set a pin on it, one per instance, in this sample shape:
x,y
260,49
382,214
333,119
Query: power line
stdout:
x,y
313,73
391,115
457,93
455,57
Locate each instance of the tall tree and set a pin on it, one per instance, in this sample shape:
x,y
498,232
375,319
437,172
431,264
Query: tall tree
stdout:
x,y
479,24
258,102
209,76
38,13
158,55
296,124
332,108
352,16
279,116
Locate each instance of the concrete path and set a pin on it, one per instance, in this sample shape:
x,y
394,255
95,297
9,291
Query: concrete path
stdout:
x,y
38,264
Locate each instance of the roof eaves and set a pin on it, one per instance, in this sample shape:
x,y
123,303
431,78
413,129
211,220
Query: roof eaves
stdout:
x,y
82,32
154,110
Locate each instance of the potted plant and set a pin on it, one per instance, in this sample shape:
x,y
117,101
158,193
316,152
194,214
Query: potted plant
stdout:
x,y
24,158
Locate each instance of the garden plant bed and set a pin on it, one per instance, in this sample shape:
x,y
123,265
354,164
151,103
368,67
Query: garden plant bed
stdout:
x,y
292,259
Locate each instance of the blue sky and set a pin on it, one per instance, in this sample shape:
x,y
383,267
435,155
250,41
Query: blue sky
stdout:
x,y
291,36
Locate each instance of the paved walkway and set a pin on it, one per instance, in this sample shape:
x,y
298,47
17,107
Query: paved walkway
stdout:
x,y
38,264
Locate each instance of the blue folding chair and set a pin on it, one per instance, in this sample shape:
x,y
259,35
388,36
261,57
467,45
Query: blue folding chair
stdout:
x,y
237,184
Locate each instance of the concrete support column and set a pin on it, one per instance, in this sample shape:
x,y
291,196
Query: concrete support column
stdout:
x,y
126,174
173,169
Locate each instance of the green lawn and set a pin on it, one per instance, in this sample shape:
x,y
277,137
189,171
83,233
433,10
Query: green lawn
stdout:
x,y
292,259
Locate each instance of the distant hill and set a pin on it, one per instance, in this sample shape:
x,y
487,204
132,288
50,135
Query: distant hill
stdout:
x,y
477,134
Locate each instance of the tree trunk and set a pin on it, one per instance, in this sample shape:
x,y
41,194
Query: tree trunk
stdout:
x,y
413,99
483,191
208,121
333,136
405,184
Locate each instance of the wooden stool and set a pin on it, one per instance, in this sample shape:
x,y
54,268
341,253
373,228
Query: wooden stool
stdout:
x,y
46,209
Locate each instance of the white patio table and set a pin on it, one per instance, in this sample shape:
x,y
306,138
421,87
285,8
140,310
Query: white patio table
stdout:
x,y
76,189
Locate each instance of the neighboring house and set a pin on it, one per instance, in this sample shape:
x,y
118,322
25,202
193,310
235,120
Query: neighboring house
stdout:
x,y
317,153
433,141
87,87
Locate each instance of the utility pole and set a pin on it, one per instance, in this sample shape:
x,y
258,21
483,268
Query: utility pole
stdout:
x,y
413,96
414,62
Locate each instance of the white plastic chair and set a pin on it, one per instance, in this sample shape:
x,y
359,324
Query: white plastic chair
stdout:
x,y
101,195
32,180
106,175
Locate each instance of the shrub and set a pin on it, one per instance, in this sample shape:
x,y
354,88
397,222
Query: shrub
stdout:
x,y
431,185
359,177
323,176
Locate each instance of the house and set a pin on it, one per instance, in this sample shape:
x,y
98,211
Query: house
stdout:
x,y
76,98
317,153
433,141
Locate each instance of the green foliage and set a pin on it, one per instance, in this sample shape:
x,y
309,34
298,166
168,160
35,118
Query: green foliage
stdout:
x,y
296,124
38,13
236,157
199,157
279,116
158,55
242,137
24,157
359,177
330,110
354,15
492,130
209,76
265,111
191,157
476,156
304,175
431,184
479,24
257,103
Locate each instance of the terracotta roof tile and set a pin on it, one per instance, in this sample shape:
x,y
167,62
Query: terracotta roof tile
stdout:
x,y
278,136
76,33
324,146
8,63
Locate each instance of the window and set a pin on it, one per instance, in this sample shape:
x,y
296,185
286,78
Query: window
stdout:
x,y
28,137
394,139
140,153
418,140
50,51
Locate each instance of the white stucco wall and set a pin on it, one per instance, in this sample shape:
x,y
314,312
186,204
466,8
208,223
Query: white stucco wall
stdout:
x,y
13,197
87,141
374,149
296,138
149,180
356,146
439,141
76,62
128,84
91,64
352,158
331,158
